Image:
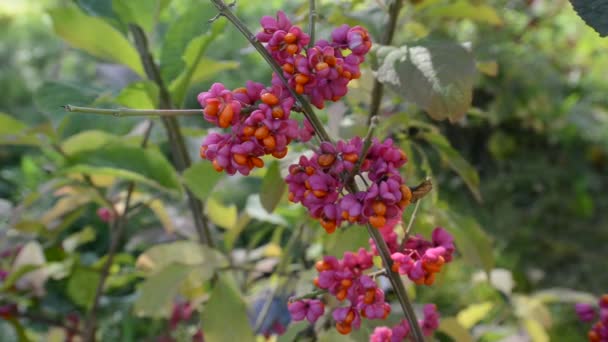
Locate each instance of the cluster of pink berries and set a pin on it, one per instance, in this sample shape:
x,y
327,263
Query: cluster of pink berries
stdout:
x,y
345,279
259,116
323,71
587,313
400,332
418,258
317,183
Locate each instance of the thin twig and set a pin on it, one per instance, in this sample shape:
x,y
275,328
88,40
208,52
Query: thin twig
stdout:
x,y
389,33
312,14
120,112
367,143
176,138
412,218
379,272
311,295
117,228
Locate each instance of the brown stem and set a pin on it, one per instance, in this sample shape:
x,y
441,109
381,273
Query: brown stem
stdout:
x,y
225,11
116,233
387,39
176,138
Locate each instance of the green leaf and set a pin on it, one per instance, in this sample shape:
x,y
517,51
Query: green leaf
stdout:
x,y
15,132
183,252
133,162
536,331
594,13
157,291
451,327
273,187
95,36
449,155
225,302
472,242
52,96
82,286
200,178
140,94
463,9
79,238
254,210
188,26
87,141
14,276
437,76
221,215
474,313
140,12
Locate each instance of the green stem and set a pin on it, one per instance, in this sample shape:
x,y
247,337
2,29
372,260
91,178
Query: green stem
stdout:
x,y
119,112
378,89
312,13
311,295
176,138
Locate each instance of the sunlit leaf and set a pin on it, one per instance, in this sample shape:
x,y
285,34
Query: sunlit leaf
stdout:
x,y
85,235
536,331
464,9
563,295
437,76
95,36
221,215
157,291
451,327
200,178
273,187
594,13
141,95
448,154
474,313
226,302
31,254
87,140
145,164
184,252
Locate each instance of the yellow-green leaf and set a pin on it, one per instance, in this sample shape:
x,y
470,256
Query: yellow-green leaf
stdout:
x,y
200,178
273,187
474,313
451,327
464,9
221,215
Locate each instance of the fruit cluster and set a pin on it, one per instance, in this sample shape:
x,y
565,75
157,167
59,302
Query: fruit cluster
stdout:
x,y
587,313
259,116
349,279
318,182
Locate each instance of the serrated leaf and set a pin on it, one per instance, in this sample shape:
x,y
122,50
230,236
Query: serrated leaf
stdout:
x,y
474,313
184,252
273,187
82,286
456,162
594,13
451,327
157,291
463,9
438,76
95,36
141,94
220,214
225,302
133,162
200,178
